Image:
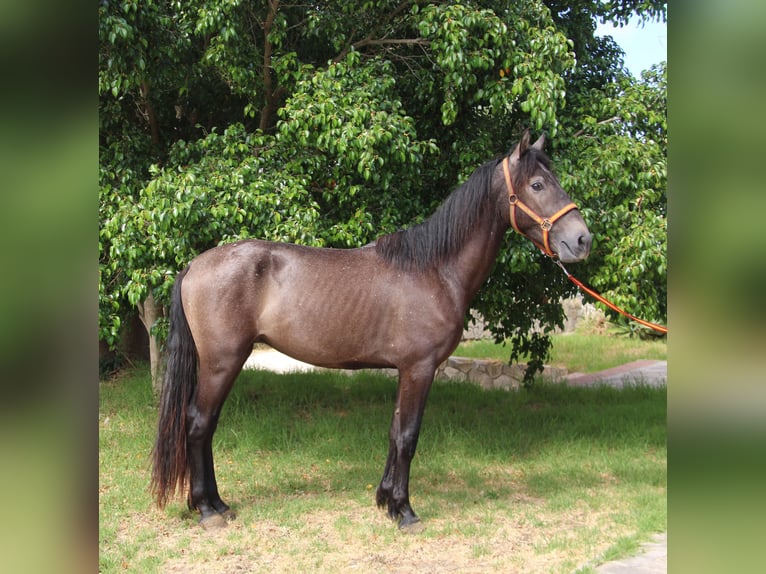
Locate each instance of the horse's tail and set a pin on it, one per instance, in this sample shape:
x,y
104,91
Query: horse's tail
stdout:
x,y
169,464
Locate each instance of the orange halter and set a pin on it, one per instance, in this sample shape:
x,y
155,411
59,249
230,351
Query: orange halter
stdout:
x,y
545,223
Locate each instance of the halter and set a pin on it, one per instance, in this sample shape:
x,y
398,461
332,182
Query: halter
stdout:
x,y
545,224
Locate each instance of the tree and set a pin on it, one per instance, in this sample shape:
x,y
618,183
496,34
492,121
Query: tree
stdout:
x,y
620,148
332,123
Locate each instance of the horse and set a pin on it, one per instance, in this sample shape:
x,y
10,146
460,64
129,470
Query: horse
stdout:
x,y
398,302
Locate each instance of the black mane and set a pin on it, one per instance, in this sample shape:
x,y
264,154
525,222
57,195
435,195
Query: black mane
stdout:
x,y
440,236
443,234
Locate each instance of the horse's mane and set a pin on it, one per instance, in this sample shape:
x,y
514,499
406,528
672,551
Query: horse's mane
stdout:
x,y
443,234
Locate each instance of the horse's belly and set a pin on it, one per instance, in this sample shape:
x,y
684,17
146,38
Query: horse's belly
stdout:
x,y
346,328
332,341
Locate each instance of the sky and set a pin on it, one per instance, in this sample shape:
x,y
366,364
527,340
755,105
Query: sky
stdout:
x,y
643,46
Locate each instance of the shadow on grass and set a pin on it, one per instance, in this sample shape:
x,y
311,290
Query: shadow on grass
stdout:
x,y
283,412
302,435
316,432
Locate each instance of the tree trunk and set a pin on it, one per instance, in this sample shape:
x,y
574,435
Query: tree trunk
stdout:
x,y
149,312
148,111
272,94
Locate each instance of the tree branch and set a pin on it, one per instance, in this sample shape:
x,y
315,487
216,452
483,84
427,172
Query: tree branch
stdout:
x,y
370,40
601,123
383,42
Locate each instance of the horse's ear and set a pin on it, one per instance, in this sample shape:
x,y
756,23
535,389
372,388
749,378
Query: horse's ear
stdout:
x,y
524,143
538,145
521,149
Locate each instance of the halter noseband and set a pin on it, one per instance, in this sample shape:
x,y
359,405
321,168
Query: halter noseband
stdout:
x,y
545,223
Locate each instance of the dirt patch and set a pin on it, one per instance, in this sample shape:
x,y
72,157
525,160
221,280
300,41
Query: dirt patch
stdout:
x,y
362,539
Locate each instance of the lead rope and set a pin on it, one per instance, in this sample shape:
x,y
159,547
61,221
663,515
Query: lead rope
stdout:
x,y
597,296
545,225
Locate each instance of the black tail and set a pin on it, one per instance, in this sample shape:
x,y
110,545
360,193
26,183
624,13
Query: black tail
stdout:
x,y
170,469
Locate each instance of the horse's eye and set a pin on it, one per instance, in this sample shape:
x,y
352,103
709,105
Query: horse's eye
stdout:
x,y
537,186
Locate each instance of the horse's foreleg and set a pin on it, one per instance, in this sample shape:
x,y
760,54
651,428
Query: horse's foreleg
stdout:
x,y
393,490
386,487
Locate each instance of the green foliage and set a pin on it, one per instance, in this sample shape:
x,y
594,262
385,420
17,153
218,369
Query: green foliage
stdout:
x,y
504,61
615,163
358,147
332,124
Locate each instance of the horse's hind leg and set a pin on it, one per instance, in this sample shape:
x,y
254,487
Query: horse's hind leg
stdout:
x,y
212,487
214,385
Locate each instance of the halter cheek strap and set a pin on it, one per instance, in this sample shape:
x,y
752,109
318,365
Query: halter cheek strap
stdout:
x,y
545,223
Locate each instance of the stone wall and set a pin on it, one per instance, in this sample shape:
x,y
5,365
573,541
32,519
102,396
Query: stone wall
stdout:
x,y
490,374
487,373
575,311
476,328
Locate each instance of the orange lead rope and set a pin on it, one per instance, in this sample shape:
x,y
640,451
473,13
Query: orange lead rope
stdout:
x,y
592,293
545,226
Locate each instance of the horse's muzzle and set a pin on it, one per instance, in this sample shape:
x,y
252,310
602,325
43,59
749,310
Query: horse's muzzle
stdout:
x,y
574,247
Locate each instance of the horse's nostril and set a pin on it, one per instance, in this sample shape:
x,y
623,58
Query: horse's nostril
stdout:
x,y
584,241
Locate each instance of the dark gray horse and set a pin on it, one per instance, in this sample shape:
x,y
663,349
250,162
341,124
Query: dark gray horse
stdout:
x,y
398,302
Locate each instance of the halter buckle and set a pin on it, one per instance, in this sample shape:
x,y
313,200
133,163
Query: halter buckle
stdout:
x,y
546,224
513,198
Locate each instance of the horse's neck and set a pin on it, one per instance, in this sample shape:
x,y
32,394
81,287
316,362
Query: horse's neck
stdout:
x,y
473,263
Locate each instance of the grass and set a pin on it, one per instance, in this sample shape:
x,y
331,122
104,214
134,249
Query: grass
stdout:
x,y
554,479
582,353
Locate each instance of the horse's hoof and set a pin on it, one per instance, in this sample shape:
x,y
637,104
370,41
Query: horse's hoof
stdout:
x,y
411,526
213,522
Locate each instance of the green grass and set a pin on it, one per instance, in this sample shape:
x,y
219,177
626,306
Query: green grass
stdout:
x,y
546,480
582,353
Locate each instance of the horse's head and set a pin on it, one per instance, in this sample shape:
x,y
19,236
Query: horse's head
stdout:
x,y
537,206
